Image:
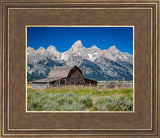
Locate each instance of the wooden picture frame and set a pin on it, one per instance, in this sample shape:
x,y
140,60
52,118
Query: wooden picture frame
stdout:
x,y
143,15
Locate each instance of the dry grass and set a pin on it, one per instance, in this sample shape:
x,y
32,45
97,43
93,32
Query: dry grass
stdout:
x,y
84,90
29,86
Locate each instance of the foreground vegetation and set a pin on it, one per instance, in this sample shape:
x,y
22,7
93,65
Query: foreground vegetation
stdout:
x,y
78,98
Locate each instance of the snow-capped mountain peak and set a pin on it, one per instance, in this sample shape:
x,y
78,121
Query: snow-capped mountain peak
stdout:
x,y
41,49
30,50
94,47
51,48
77,45
113,48
114,54
78,42
77,49
53,52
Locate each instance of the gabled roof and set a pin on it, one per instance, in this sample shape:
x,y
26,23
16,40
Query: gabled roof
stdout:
x,y
60,72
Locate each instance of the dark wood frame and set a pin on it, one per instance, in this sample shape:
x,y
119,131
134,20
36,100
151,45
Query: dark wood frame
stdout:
x,y
143,122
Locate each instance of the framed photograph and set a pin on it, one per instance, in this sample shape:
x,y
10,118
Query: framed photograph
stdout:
x,y
80,78
79,68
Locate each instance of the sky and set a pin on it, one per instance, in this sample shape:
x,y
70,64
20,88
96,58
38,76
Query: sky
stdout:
x,y
64,37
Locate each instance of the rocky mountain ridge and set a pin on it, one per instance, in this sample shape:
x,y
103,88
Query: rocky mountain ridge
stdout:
x,y
110,64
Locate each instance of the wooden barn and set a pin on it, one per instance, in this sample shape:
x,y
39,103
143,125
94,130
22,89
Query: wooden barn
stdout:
x,y
62,76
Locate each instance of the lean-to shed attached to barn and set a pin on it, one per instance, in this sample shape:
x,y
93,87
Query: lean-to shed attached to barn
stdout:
x,y
62,76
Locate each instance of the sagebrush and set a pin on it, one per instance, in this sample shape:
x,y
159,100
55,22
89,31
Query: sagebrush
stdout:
x,y
70,101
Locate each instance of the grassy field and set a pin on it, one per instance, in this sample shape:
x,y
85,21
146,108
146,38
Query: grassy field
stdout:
x,y
79,98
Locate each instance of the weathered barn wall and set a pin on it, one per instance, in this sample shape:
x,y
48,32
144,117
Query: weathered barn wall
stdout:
x,y
41,85
89,82
76,78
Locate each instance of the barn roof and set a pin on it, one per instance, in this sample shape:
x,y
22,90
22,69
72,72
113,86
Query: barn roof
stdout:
x,y
49,79
90,80
61,71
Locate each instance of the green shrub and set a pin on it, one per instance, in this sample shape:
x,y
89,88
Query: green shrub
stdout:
x,y
86,100
70,101
73,107
122,103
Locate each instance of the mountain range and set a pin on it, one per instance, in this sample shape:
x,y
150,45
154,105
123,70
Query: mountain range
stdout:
x,y
97,64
